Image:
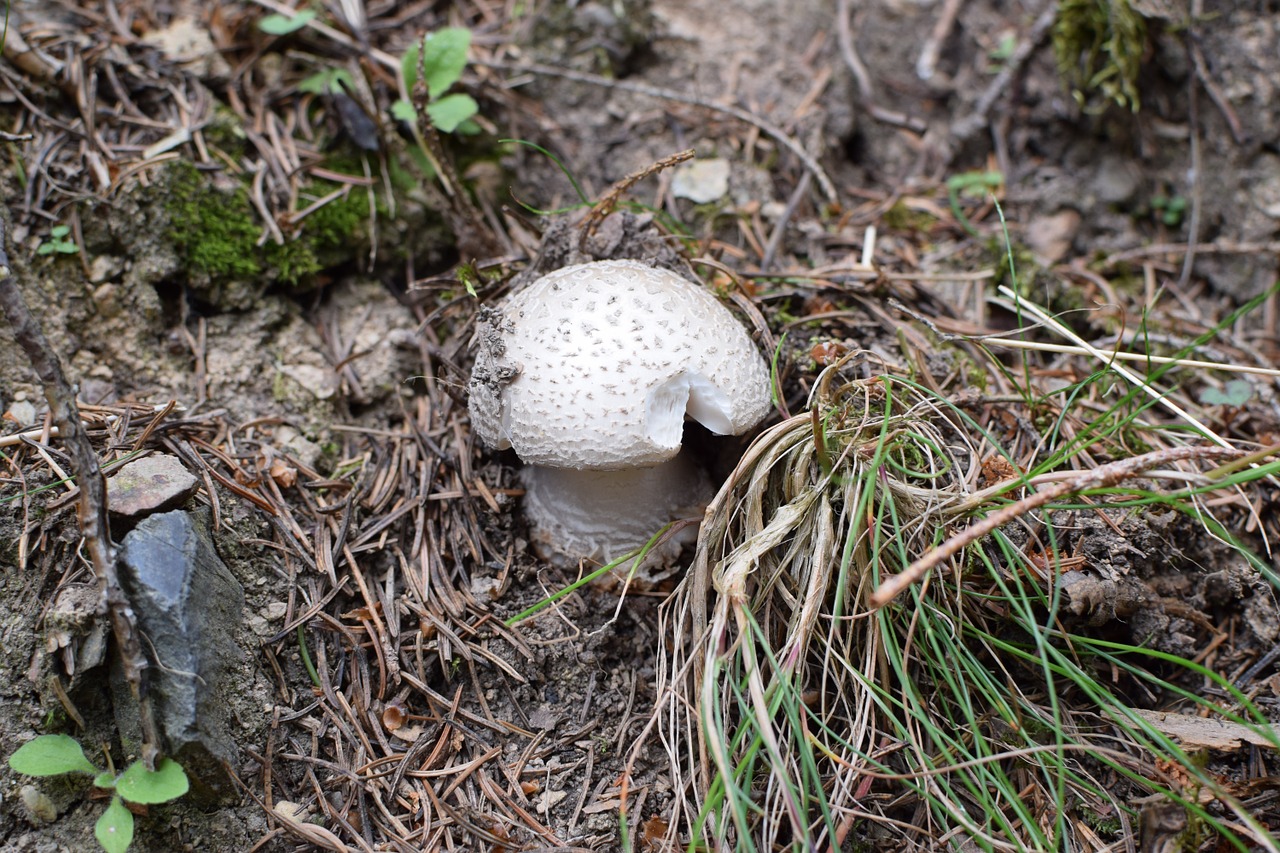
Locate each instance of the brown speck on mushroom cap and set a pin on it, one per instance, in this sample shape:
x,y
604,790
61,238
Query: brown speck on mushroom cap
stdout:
x,y
595,366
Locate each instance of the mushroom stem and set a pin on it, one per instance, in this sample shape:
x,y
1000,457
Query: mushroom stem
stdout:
x,y
602,515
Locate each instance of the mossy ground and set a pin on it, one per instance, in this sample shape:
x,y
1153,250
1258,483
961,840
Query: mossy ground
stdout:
x,y
219,233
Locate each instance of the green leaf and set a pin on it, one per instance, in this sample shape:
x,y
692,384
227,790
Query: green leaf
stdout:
x,y
105,780
60,231
1235,393
326,82
114,830
50,755
66,248
402,110
282,25
137,784
409,67
46,249
444,60
450,111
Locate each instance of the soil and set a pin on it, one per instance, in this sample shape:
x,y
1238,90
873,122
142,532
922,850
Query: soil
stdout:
x,y
350,369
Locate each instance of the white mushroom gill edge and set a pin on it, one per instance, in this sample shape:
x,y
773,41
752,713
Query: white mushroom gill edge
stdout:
x,y
600,516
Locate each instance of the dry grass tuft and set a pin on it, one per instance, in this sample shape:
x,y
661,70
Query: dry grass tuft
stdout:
x,y
798,714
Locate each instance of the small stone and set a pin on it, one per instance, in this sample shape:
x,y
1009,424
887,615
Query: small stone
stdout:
x,y
1050,237
103,268
483,588
38,805
702,181
188,606
1116,180
74,629
275,610
318,381
21,412
187,42
154,484
548,800
289,440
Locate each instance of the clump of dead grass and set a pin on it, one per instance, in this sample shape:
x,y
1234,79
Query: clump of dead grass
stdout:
x,y
798,716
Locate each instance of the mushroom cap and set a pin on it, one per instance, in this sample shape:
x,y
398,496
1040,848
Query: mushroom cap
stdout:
x,y
595,366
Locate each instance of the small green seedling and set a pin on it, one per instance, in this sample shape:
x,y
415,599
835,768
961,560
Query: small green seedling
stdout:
x,y
283,25
971,185
59,241
444,56
328,81
1169,209
54,755
1235,393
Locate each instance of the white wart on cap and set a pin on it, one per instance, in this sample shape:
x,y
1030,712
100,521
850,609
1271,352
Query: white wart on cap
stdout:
x,y
593,368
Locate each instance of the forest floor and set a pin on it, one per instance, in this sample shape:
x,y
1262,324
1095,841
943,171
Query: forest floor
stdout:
x,y
224,207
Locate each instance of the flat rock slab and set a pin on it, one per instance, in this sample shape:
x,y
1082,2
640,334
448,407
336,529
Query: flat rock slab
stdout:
x,y
154,484
188,605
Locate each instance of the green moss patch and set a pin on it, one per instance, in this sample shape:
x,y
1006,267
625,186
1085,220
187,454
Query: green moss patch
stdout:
x,y
218,230
215,230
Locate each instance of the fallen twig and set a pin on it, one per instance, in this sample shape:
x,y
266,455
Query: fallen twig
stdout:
x,y
92,507
779,135
866,91
1099,478
964,129
608,202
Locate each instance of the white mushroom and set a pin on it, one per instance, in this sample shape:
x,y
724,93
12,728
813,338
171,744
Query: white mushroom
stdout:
x,y
588,373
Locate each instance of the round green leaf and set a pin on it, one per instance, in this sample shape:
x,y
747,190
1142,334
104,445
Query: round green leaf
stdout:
x,y
51,755
445,57
104,780
328,81
444,60
139,785
282,25
402,110
451,111
114,830
1235,393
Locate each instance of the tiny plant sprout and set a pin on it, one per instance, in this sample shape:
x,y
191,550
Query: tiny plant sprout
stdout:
x,y
589,374
59,242
54,755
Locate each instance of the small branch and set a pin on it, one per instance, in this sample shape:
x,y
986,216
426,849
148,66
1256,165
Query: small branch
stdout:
x,y
1099,478
866,91
927,63
92,507
1197,180
1121,355
964,129
779,135
608,203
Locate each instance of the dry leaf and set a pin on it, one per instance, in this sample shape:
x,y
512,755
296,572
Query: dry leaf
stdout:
x,y
283,473
1203,733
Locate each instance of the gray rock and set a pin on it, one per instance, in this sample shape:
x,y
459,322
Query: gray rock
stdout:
x,y
1116,180
188,606
701,181
153,484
